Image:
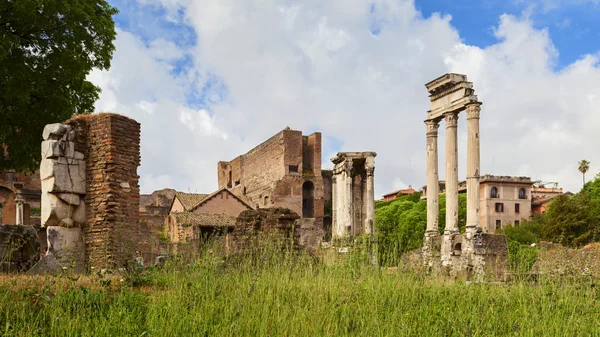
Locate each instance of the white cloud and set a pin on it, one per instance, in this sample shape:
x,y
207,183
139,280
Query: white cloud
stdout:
x,y
317,66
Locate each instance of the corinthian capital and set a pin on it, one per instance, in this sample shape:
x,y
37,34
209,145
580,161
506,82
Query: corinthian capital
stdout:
x,y
370,171
432,126
473,110
451,119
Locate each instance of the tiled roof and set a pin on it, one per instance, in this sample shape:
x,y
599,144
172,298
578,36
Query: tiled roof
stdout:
x,y
407,191
190,200
240,198
204,219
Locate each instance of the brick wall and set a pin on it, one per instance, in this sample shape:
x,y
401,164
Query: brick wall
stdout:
x,y
258,170
222,203
111,144
274,172
9,211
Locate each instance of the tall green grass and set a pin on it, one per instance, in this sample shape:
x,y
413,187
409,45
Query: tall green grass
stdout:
x,y
292,294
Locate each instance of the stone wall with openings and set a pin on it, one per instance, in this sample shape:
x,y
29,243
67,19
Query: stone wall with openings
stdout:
x,y
111,144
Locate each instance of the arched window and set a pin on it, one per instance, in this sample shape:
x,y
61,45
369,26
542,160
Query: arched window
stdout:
x,y
522,194
308,200
494,192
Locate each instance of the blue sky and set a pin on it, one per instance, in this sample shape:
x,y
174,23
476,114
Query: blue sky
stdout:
x,y
574,26
210,79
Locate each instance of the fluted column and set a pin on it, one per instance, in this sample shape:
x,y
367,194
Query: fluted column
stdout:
x,y
370,202
348,209
432,175
451,172
334,195
473,166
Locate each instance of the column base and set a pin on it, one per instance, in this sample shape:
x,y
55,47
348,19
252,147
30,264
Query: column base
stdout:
x,y
431,249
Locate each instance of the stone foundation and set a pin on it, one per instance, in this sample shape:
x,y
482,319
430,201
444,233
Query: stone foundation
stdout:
x,y
19,248
476,256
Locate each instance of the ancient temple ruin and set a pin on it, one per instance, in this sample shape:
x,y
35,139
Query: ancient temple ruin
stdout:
x,y
353,193
451,94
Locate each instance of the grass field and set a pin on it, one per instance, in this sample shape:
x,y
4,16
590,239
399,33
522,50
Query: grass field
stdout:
x,y
290,296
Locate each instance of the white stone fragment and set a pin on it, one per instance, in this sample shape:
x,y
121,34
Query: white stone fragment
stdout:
x,y
70,198
68,246
54,131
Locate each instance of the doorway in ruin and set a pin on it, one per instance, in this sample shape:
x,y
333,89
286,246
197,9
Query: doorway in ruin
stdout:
x,y
308,200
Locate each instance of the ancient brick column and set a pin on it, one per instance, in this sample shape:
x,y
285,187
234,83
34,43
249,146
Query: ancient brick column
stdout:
x,y
112,146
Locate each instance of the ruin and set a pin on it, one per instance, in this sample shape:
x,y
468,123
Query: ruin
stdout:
x,y
451,94
284,171
353,194
90,191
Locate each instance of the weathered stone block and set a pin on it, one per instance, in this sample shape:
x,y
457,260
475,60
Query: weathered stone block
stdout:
x,y
19,247
48,265
68,246
65,178
55,131
70,198
54,209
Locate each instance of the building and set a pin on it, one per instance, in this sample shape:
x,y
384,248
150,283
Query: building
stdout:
x,y
504,201
399,193
284,171
29,188
194,216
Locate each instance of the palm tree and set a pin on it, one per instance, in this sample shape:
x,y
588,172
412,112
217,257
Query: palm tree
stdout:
x,y
584,166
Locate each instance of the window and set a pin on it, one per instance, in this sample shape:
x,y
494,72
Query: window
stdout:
x,y
293,169
522,194
229,181
244,190
494,193
517,222
308,199
517,208
499,207
498,224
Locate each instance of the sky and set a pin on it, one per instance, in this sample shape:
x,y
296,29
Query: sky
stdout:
x,y
210,79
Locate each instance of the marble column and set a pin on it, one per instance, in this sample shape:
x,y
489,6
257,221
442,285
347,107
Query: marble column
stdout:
x,y
19,204
348,205
451,173
432,176
473,166
334,193
370,201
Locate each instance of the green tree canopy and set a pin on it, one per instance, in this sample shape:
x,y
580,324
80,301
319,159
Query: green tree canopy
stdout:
x,y
47,49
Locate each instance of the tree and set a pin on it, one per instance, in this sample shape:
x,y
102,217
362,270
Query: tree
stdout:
x,y
47,49
584,166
